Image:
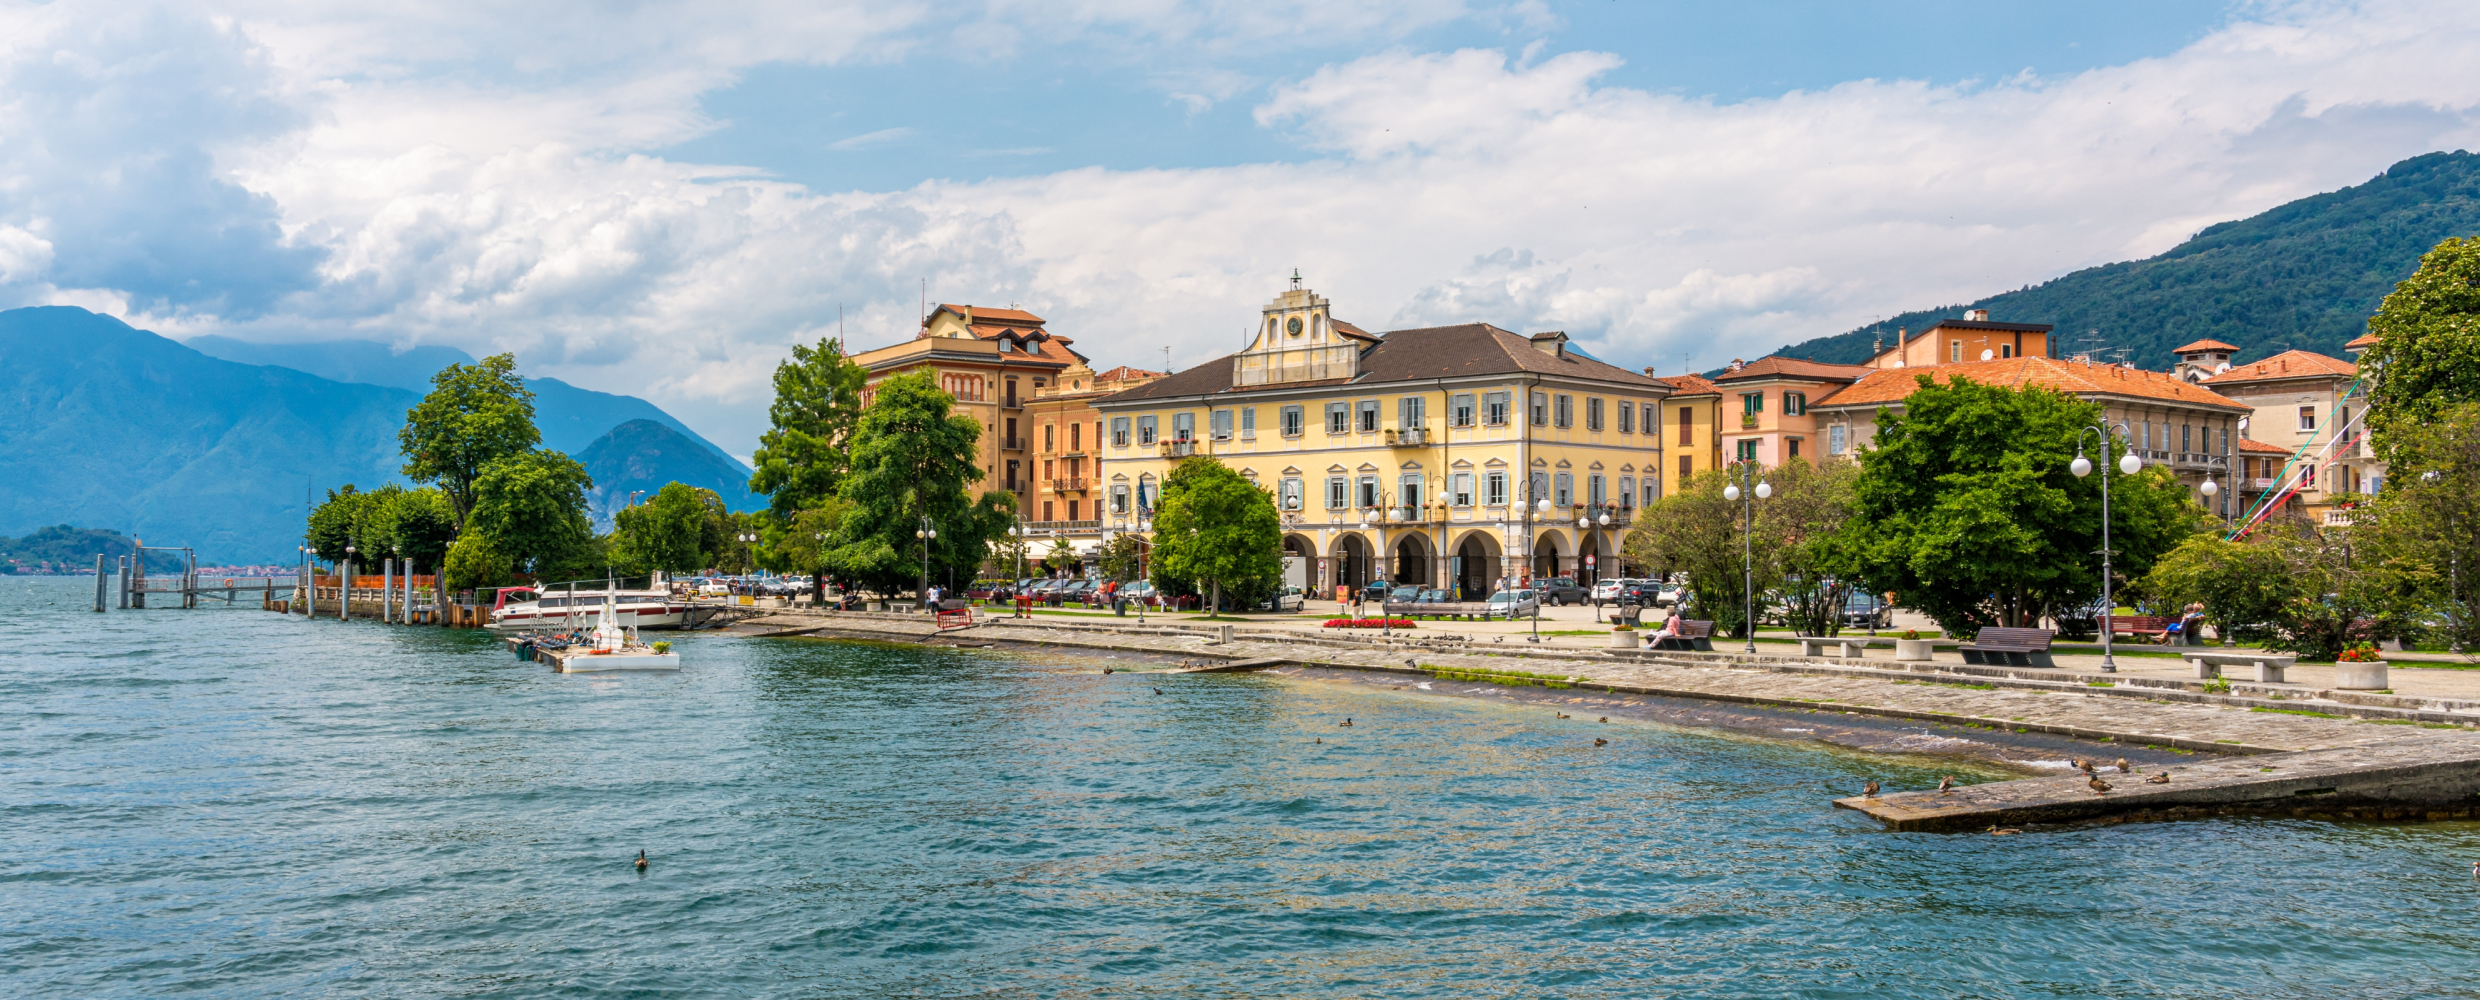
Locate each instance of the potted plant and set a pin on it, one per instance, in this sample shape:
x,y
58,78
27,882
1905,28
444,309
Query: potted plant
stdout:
x,y
2360,668
1910,646
1623,637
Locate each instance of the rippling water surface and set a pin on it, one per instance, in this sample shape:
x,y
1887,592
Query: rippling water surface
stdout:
x,y
236,803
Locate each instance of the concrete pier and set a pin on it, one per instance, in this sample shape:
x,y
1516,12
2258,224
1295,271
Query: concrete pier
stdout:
x,y
2433,779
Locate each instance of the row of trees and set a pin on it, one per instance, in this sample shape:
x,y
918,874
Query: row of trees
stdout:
x,y
1966,510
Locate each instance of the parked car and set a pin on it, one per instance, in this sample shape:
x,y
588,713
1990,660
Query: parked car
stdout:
x,y
1644,593
1513,603
1075,591
1559,591
1869,611
1377,593
1617,589
1140,592
1285,601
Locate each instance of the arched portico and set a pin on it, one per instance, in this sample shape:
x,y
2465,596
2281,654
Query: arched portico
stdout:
x,y
1476,566
1549,552
1591,562
1415,560
1300,547
1352,560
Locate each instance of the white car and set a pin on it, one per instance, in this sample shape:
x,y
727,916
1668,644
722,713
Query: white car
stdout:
x,y
1514,603
1607,591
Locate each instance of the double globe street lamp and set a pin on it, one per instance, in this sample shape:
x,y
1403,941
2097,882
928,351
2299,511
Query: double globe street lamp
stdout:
x,y
1747,499
2128,464
925,533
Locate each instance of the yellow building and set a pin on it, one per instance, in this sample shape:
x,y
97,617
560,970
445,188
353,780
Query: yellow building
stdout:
x,y
1690,437
1417,456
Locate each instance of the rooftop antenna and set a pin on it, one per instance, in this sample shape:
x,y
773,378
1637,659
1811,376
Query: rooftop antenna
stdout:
x,y
1166,359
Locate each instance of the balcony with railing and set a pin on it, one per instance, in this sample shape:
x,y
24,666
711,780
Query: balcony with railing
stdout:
x,y
1178,449
1063,527
1015,444
1408,437
1071,485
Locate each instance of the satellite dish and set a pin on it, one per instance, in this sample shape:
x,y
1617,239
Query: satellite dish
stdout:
x,y
1986,355
1898,362
2220,368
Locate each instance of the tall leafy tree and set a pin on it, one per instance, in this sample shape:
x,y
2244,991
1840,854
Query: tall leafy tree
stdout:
x,y
1121,558
807,448
473,416
420,525
1696,534
2428,348
1217,528
663,533
2430,513
1802,530
914,458
531,508
1966,509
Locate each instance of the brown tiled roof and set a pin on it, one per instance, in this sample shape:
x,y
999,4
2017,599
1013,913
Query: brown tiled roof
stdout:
x,y
1977,324
2205,345
2288,364
2078,378
2261,448
991,314
1776,366
2362,342
1689,385
1405,355
1124,373
1351,331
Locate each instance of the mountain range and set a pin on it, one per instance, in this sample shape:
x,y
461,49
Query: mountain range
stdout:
x,y
106,426
2305,275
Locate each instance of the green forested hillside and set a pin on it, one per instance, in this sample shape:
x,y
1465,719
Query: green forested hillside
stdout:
x,y
2305,275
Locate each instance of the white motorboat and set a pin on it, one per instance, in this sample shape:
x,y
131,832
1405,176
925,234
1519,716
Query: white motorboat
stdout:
x,y
561,609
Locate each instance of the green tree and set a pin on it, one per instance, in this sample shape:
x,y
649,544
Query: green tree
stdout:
x,y
474,415
1061,558
1120,559
333,523
2429,513
1217,528
663,533
806,451
474,563
2428,348
1966,509
1801,529
420,525
531,508
1696,534
913,458
2245,587
803,546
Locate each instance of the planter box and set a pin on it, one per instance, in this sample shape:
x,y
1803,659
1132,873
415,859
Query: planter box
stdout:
x,y
1914,649
1623,640
2360,676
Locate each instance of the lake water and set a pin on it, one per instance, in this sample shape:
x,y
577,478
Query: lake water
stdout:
x,y
236,803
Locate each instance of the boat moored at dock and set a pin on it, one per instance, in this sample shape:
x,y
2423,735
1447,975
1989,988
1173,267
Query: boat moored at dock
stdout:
x,y
556,609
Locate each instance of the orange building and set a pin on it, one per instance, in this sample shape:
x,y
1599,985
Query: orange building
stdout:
x,y
1689,440
993,361
1963,341
2191,428
1765,406
1065,459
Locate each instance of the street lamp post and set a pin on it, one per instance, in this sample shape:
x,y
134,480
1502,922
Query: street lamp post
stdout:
x,y
925,533
2128,464
344,589
1747,499
1145,529
1542,506
1017,532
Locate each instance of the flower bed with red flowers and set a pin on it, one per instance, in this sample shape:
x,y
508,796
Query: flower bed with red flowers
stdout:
x,y
1369,623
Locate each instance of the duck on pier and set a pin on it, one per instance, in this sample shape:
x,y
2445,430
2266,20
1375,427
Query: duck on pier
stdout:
x,y
1869,790
2159,779
2098,786
1946,784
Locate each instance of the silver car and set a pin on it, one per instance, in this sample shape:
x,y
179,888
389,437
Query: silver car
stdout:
x,y
1514,603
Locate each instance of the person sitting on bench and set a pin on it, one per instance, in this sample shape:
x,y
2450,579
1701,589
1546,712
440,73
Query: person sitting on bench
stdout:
x,y
1670,627
2180,632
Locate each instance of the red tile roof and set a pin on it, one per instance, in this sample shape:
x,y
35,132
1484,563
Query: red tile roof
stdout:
x,y
1689,385
992,314
2288,364
2362,342
1776,366
2261,448
2205,345
2077,378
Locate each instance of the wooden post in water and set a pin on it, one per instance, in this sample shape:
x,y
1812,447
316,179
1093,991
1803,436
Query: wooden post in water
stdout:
x,y
344,589
121,583
103,578
189,578
387,586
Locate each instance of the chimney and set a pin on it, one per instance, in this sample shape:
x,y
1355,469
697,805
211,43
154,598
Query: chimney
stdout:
x,y
1976,315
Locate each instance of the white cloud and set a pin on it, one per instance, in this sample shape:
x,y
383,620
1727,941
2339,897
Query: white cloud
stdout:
x,y
869,139
405,185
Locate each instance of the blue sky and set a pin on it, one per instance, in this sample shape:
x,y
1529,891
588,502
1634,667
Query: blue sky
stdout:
x,y
660,199
1116,102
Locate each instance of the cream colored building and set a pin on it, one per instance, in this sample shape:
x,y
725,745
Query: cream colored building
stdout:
x,y
2311,408
1417,456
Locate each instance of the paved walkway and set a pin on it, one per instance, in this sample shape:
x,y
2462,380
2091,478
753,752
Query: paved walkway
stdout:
x,y
2165,710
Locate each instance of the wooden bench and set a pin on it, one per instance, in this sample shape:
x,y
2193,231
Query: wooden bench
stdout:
x,y
1406,609
1845,645
2009,647
2269,666
2137,625
1693,635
